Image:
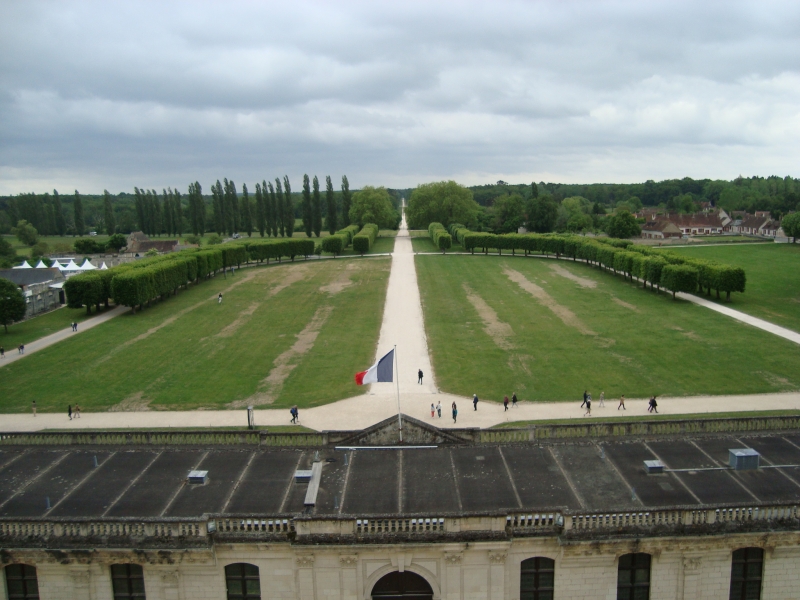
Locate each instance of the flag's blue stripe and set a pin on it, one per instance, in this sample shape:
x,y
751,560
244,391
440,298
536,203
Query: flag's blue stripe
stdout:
x,y
385,370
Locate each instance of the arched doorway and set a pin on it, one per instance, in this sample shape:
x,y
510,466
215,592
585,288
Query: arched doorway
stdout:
x,y
405,586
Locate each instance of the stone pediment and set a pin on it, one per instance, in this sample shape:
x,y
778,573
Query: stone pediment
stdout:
x,y
415,432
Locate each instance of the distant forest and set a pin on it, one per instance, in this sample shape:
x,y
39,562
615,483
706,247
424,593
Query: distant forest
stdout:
x,y
775,194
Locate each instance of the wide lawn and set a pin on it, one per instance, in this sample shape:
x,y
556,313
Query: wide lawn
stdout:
x,y
291,333
772,292
548,330
54,242
37,327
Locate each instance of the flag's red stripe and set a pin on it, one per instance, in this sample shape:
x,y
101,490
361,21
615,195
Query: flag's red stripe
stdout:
x,y
360,378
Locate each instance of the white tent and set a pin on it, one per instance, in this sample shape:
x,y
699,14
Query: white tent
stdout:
x,y
104,267
24,265
87,266
57,265
71,266
41,265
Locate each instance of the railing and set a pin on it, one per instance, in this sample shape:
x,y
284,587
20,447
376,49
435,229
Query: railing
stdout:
x,y
672,518
383,526
159,438
103,529
534,521
254,525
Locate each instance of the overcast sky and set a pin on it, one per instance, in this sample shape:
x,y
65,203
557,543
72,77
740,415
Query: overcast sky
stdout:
x,y
110,95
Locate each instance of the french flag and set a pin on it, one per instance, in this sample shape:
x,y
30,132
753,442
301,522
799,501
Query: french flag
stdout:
x,y
381,371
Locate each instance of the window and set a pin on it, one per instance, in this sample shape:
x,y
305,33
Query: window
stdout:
x,y
747,568
537,579
242,582
21,582
128,582
633,577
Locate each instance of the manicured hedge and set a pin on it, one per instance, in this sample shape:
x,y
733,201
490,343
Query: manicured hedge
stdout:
x,y
679,278
335,244
264,249
441,239
84,289
366,237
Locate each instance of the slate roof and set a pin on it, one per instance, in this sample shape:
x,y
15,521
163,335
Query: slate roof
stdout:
x,y
456,479
31,276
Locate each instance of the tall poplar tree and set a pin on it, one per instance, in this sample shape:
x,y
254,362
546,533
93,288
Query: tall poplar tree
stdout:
x,y
269,207
219,208
49,215
272,213
345,201
306,208
288,208
111,224
157,224
80,224
177,213
330,200
167,211
247,212
260,218
139,203
316,206
58,213
280,217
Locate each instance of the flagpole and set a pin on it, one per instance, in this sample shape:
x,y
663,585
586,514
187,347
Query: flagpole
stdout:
x,y
397,379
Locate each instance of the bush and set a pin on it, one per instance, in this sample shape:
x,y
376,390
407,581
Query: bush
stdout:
x,y
335,244
679,278
214,239
192,239
366,237
85,289
12,303
39,249
88,246
441,239
116,242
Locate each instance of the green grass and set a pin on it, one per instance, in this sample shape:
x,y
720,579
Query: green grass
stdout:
x,y
188,352
655,417
654,345
32,329
773,279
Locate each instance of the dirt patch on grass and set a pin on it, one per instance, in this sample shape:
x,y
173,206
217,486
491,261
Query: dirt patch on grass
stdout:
x,y
499,331
520,362
133,403
562,312
292,275
581,281
692,336
624,304
271,386
775,380
243,318
342,281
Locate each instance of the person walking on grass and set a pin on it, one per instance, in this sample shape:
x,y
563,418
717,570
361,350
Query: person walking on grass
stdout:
x,y
77,411
455,412
419,376
433,410
622,403
475,401
514,400
585,395
505,403
439,408
34,408
652,405
219,298
588,412
69,411
602,399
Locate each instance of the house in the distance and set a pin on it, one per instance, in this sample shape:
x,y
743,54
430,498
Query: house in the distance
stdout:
x,y
660,229
42,288
139,244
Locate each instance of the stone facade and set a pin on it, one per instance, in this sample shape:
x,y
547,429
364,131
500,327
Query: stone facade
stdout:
x,y
682,568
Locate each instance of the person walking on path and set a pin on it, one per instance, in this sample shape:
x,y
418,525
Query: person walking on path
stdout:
x,y
514,400
602,399
419,376
69,411
433,410
77,412
293,411
219,298
21,349
653,405
505,403
475,401
622,403
439,408
34,408
588,412
2,352
455,412
585,396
